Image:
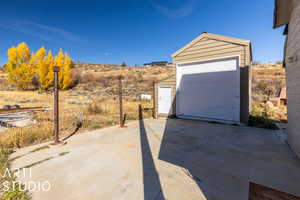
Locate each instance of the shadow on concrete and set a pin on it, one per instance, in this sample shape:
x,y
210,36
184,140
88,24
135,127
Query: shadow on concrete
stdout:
x,y
77,127
223,159
152,185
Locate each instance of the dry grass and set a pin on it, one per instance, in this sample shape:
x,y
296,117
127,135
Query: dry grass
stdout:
x,y
20,137
4,164
97,114
3,81
32,98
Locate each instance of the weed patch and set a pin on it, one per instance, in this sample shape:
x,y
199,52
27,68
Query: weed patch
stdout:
x,y
37,163
12,193
63,153
39,149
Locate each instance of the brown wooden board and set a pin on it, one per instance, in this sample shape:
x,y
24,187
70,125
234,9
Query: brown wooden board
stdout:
x,y
259,192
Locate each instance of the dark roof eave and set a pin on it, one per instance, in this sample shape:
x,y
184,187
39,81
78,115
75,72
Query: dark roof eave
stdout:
x,y
281,10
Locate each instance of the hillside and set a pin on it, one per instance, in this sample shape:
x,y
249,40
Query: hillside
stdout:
x,y
267,80
99,81
102,80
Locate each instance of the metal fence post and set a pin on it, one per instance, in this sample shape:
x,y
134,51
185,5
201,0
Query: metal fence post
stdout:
x,y
154,101
56,105
140,112
121,102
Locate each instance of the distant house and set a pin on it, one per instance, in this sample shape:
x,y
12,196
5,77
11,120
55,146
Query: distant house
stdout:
x,y
287,14
280,98
157,63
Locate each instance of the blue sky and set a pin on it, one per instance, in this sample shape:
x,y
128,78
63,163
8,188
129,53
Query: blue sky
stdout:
x,y
135,31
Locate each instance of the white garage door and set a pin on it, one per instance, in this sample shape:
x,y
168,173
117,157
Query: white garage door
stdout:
x,y
209,90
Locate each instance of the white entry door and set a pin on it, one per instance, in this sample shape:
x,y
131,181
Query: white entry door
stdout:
x,y
164,100
209,90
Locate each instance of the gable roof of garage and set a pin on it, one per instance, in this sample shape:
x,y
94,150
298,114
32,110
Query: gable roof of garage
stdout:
x,y
215,37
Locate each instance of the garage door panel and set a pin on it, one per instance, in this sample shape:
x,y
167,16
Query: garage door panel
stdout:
x,y
205,107
208,90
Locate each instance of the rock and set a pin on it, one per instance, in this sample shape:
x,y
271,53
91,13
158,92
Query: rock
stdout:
x,y
270,105
15,107
6,107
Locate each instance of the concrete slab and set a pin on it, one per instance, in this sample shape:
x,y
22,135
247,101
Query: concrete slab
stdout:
x,y
163,159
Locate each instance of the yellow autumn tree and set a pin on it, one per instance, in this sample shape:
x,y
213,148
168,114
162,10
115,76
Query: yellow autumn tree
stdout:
x,y
67,72
44,66
24,67
38,57
59,61
19,68
63,61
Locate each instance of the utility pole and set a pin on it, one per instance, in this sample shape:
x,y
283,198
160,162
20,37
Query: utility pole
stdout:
x,y
56,106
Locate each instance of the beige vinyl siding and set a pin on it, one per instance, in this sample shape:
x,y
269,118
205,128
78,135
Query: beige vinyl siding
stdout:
x,y
207,42
216,53
212,50
213,44
203,58
293,80
209,49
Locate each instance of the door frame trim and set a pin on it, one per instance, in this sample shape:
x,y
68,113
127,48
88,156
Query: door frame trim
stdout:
x,y
164,86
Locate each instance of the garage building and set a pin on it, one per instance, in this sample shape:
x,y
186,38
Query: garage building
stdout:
x,y
212,81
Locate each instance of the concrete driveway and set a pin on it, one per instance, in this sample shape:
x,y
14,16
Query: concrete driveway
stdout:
x,y
163,159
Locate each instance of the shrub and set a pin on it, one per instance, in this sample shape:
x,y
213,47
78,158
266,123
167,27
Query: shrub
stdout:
x,y
259,117
87,78
76,78
16,192
3,84
262,85
261,122
104,81
95,108
123,64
